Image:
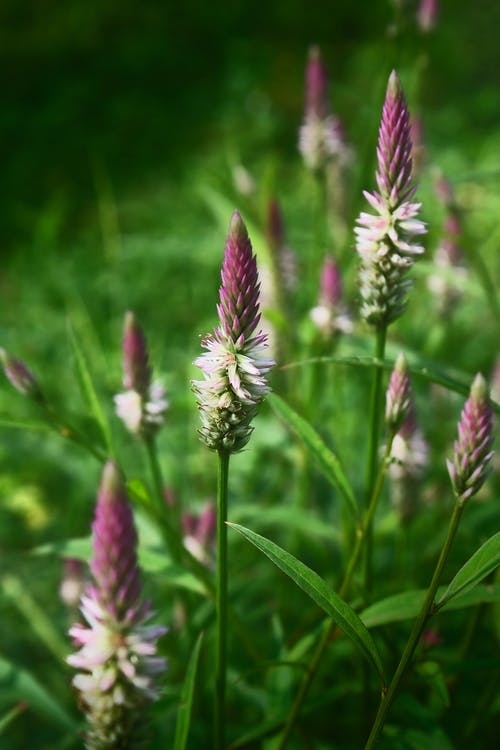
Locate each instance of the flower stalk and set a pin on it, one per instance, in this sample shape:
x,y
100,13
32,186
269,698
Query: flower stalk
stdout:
x,y
468,471
235,369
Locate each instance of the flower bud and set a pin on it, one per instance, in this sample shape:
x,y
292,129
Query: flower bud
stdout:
x,y
472,451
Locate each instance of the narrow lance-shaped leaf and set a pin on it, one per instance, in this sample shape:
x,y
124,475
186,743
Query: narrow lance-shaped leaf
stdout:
x,y
186,699
88,390
319,591
20,684
327,460
407,605
482,563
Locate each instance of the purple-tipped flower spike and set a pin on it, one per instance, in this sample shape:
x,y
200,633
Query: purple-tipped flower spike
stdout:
x,y
136,367
234,366
472,451
399,397
427,15
142,406
321,136
329,315
20,377
117,658
388,241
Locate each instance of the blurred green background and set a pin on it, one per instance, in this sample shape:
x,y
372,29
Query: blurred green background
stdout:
x,y
122,127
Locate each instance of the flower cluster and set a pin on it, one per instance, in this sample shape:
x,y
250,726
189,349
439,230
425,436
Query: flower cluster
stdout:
x,y
472,451
387,242
117,649
235,363
143,404
321,136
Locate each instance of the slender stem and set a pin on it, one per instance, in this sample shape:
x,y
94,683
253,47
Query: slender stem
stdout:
x,y
387,699
372,462
330,626
221,602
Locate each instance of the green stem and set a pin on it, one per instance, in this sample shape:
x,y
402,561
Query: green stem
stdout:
x,y
387,699
373,446
221,602
330,626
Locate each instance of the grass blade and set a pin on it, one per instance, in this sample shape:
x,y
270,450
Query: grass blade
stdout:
x,y
88,390
186,699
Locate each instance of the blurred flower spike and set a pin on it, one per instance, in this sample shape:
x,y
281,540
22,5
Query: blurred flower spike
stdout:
x,y
143,405
329,315
427,15
473,449
235,365
398,398
388,242
117,650
321,136
20,377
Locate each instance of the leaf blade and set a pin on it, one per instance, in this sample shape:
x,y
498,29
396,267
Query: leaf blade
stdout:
x,y
88,390
316,588
325,457
478,566
186,698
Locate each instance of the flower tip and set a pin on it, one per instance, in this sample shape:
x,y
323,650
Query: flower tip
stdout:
x,y
237,228
401,364
111,481
394,87
479,388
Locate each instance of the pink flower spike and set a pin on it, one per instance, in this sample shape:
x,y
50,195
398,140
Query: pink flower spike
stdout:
x,y
117,651
234,364
387,242
473,449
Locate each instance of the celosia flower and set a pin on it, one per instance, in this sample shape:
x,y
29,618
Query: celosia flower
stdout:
x,y
21,377
321,136
330,315
447,283
398,398
388,241
234,365
142,406
409,458
472,451
427,14
117,658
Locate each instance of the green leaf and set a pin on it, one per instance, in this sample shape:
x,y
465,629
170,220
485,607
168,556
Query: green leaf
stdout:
x,y
9,717
19,684
327,460
407,605
427,371
319,591
152,559
15,424
88,390
482,563
186,699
